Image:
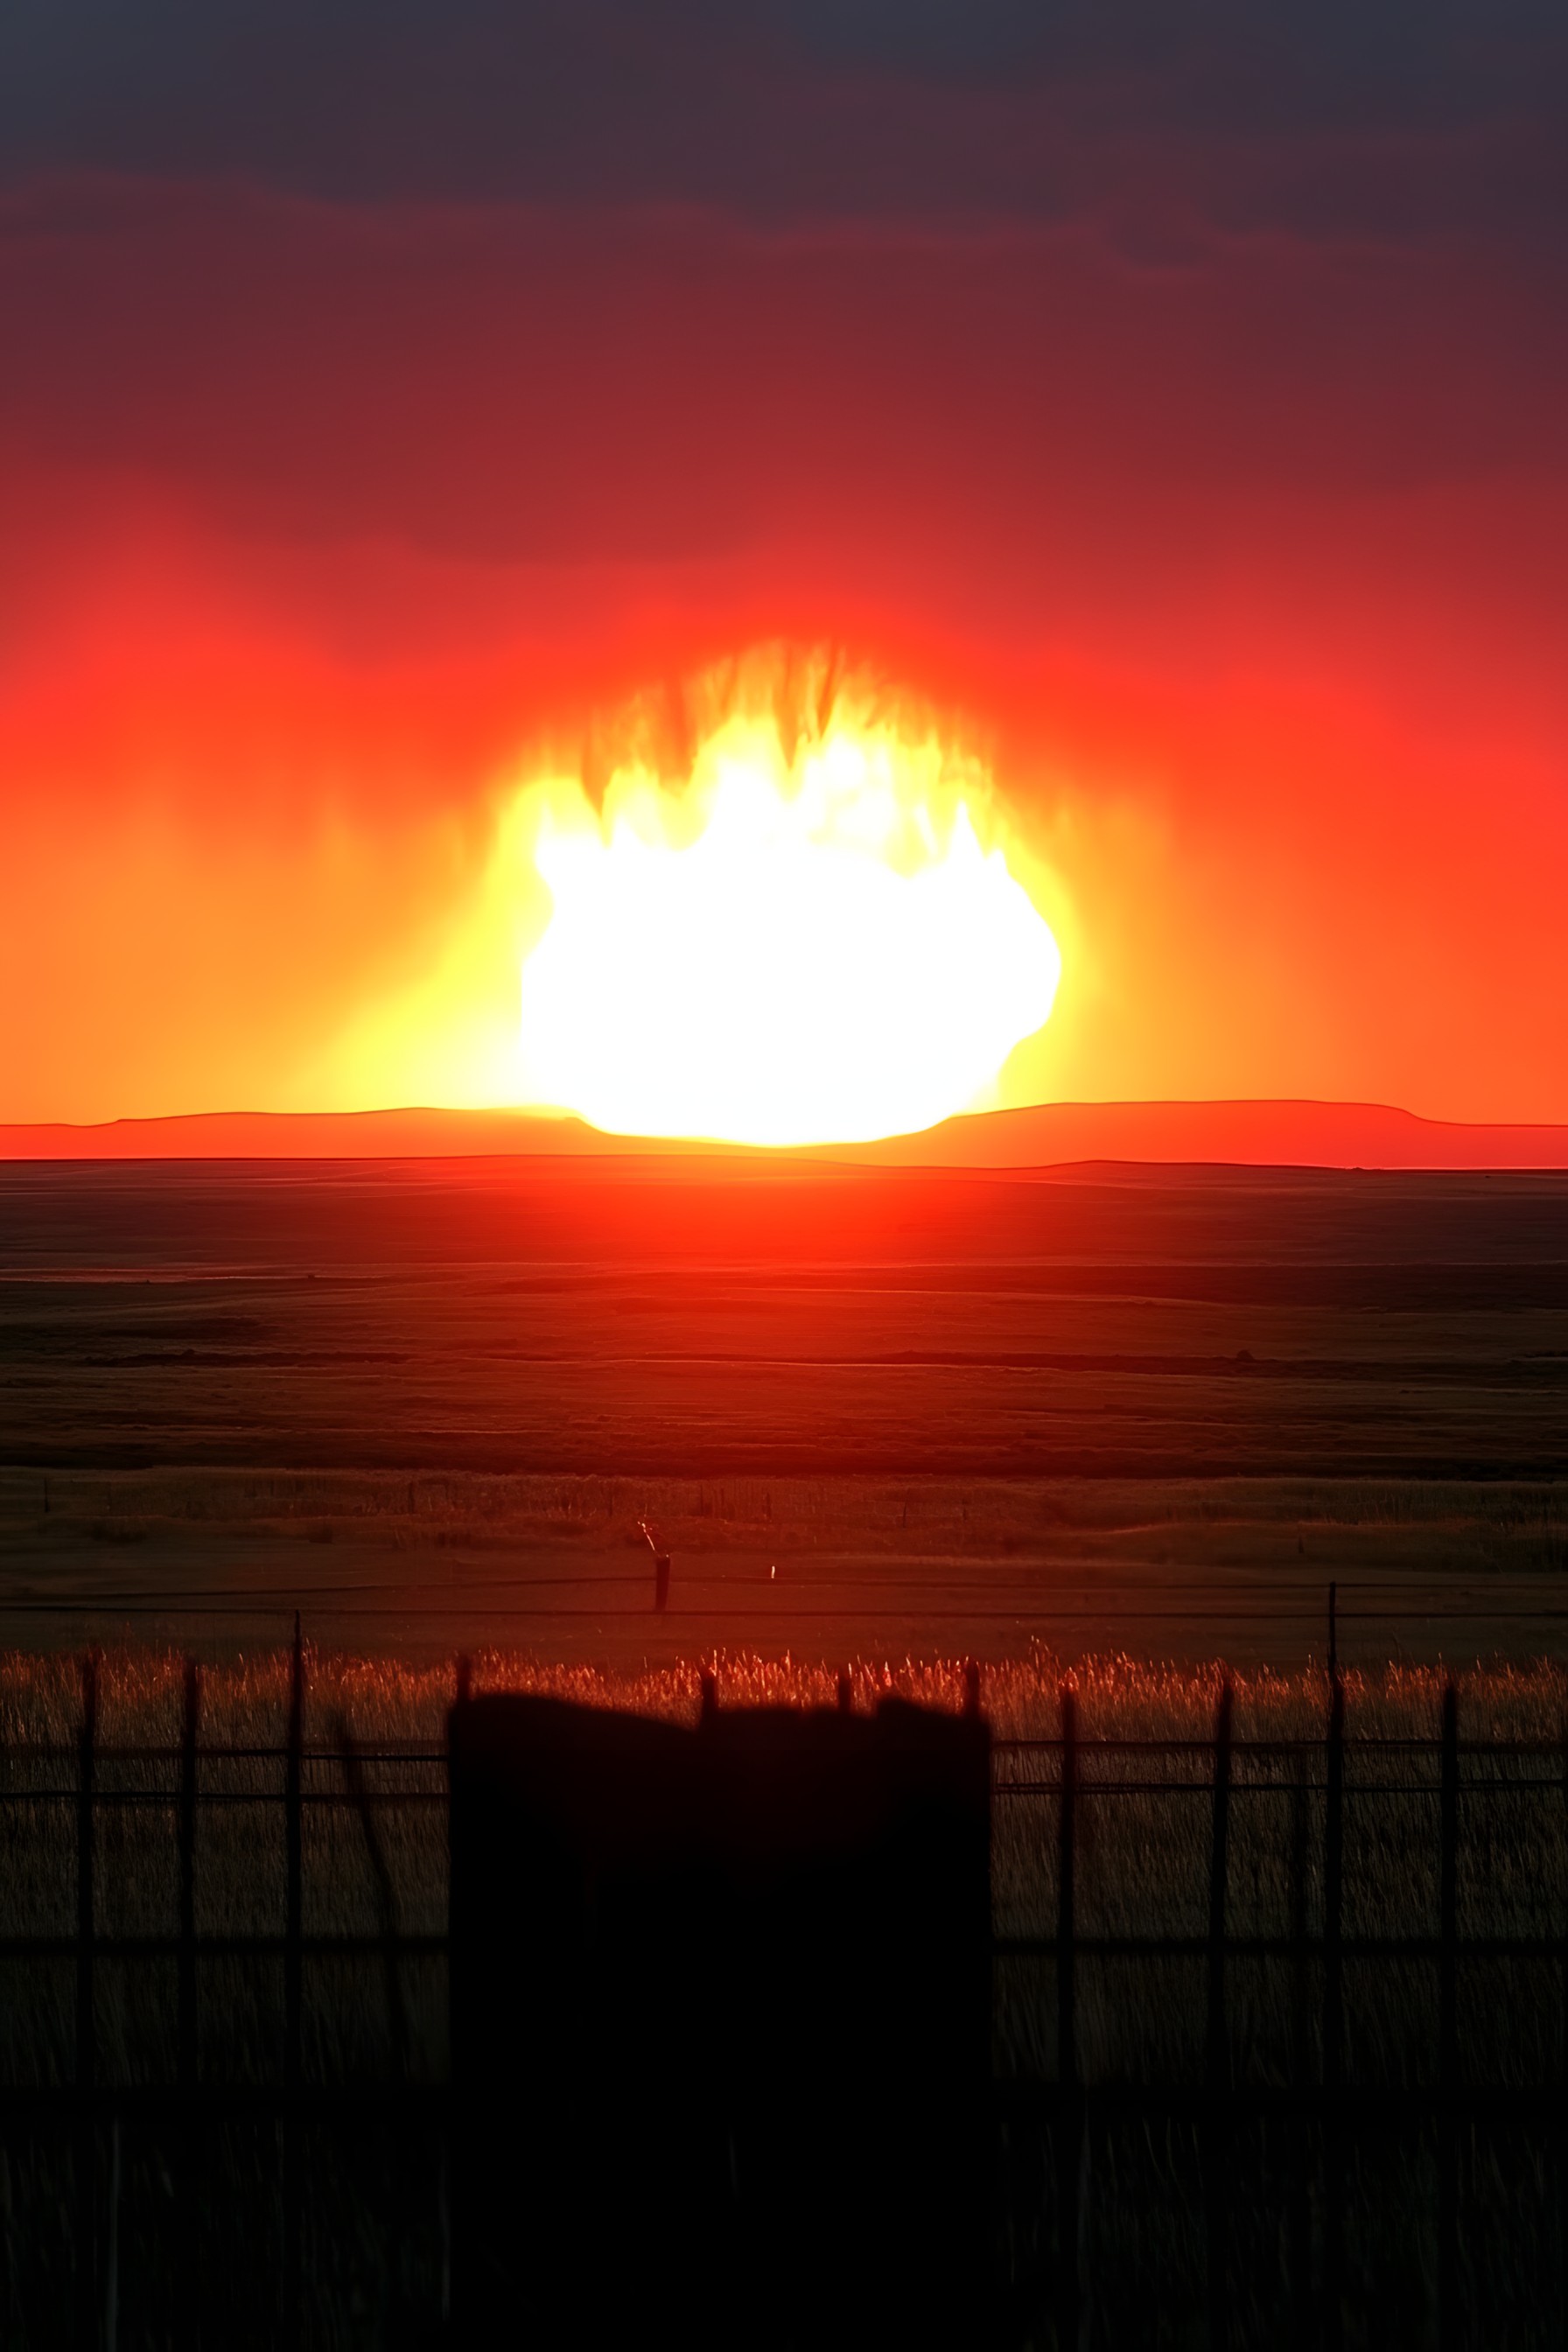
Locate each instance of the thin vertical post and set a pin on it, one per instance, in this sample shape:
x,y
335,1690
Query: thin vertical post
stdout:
x,y
972,1687
1301,2218
8,2264
1334,1632
1333,2022
1448,2032
1218,2055
86,2153
1217,2060
293,1861
1563,2135
362,1798
1066,1896
187,2291
293,2199
1069,2129
442,2136
1449,1893
111,2338
190,1722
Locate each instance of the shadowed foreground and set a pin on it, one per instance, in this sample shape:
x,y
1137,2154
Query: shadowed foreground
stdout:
x,y
239,2072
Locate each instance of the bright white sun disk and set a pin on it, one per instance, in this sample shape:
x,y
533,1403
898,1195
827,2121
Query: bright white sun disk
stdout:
x,y
823,956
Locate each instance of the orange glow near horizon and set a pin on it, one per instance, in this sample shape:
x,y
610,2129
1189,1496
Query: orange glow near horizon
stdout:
x,y
787,946
306,626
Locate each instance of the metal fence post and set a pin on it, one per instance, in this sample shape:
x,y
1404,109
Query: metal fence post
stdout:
x,y
293,2197
1219,2055
187,2294
190,1722
442,2136
1301,2218
86,2148
1563,2135
1333,2022
1070,2122
1216,2183
363,1799
1449,2033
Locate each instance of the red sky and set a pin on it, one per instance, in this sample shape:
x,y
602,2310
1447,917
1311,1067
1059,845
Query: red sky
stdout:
x,y
1221,502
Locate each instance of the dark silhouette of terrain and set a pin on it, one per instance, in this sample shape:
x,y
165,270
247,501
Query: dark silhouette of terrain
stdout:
x,y
1288,1133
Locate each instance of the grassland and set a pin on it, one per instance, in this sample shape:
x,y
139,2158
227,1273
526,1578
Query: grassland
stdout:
x,y
865,1409
1126,1424
1143,1861
375,2251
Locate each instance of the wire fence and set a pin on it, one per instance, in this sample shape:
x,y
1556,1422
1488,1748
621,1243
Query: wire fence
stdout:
x,y
1061,1603
1324,2105
1316,2102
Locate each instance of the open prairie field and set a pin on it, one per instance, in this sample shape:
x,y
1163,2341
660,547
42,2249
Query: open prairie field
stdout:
x,y
867,1411
887,1420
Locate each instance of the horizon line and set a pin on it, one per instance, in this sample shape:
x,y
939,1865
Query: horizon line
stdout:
x,y
1237,1130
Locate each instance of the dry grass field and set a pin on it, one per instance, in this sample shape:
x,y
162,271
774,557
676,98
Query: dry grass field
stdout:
x,y
866,1410
1124,1423
375,2251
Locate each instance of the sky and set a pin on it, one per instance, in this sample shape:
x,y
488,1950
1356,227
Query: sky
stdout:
x,y
1175,402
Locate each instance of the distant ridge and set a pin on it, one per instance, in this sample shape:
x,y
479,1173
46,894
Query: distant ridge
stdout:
x,y
413,1134
1284,1134
1247,1134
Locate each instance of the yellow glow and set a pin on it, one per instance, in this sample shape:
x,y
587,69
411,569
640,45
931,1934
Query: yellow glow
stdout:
x,y
802,938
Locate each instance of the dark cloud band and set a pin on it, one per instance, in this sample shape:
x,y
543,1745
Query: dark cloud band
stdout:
x,y
1395,119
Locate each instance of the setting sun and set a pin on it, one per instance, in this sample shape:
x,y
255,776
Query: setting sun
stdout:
x,y
789,945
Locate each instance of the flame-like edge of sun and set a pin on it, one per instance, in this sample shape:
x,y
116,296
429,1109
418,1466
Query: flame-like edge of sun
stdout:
x,y
799,936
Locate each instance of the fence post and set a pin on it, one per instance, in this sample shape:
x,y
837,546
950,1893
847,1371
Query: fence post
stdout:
x,y
1448,1893
111,2338
1217,2057
1448,2032
293,2198
1562,2137
187,2294
1333,1630
386,1905
1333,2022
1300,2220
86,2148
190,1722
1071,2117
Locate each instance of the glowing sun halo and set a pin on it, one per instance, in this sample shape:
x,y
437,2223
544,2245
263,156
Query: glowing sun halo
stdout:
x,y
791,948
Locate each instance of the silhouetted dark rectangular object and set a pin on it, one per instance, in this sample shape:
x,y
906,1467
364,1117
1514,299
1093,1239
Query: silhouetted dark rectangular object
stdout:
x,y
720,2026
